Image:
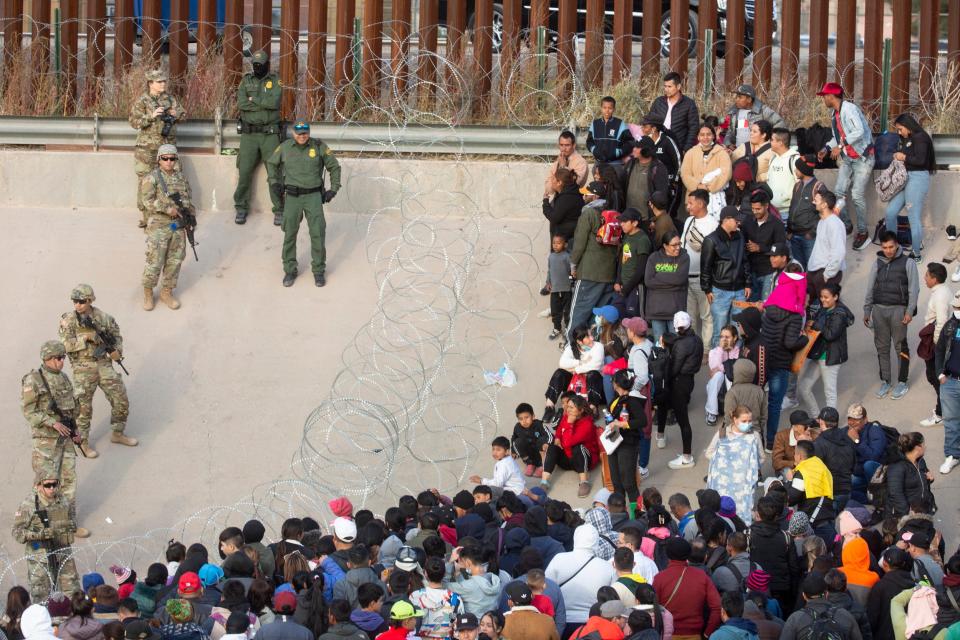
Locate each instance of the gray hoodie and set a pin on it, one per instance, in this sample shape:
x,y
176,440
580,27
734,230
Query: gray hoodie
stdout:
x,y
479,593
346,588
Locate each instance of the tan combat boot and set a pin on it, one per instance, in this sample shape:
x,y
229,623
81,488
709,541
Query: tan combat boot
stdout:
x,y
166,297
82,533
87,450
118,438
147,299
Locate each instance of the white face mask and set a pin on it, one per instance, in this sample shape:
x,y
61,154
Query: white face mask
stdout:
x,y
744,427
956,314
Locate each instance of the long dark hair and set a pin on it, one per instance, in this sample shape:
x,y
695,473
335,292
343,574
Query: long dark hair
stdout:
x,y
614,191
18,599
907,120
316,620
578,334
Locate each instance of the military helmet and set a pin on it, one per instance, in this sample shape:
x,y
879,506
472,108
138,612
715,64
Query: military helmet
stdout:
x,y
166,150
52,349
44,474
83,292
156,75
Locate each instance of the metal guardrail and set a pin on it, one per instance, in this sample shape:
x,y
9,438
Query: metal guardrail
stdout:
x,y
213,135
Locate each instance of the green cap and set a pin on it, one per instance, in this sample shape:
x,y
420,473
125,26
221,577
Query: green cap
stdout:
x,y
404,611
260,57
156,75
52,349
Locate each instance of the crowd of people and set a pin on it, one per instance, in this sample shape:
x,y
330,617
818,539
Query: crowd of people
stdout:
x,y
700,243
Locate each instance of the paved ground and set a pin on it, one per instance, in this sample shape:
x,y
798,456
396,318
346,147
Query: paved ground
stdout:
x,y
221,389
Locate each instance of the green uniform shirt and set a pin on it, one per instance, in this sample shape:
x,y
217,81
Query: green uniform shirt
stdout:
x,y
302,165
258,99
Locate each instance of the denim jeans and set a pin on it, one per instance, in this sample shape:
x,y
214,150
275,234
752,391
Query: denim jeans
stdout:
x,y
801,248
911,197
757,286
950,402
860,483
776,389
720,309
660,328
644,452
855,175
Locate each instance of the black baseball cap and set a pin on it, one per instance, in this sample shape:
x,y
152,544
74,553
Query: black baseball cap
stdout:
x,y
779,250
467,621
729,211
519,592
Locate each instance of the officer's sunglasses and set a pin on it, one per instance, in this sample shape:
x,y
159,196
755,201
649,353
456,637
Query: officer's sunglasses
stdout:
x,y
168,158
302,129
51,485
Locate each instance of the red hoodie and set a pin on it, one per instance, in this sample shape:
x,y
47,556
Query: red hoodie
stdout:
x,y
582,432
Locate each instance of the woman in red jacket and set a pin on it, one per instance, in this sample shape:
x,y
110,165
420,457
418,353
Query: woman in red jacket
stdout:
x,y
575,445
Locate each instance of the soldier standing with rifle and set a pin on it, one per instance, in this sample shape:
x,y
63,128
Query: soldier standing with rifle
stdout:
x,y
46,525
46,400
165,196
295,170
154,115
260,128
93,343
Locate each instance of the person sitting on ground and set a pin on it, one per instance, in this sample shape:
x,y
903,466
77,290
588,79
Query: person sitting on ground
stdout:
x,y
728,349
507,475
574,447
811,489
529,440
579,370
785,442
627,581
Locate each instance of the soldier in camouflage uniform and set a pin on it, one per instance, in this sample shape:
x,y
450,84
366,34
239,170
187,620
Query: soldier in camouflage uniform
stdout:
x,y
46,525
46,400
166,241
93,365
258,99
146,116
296,168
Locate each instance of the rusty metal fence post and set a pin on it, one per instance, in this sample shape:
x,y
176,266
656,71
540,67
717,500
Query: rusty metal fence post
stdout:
x,y
69,32
900,61
763,45
427,65
650,38
262,25
566,44
845,73
232,43
872,53
483,50
400,18
124,28
40,37
206,28
734,53
679,35
817,69
177,37
593,45
150,28
289,63
317,58
707,21
790,44
12,17
622,39
372,48
929,47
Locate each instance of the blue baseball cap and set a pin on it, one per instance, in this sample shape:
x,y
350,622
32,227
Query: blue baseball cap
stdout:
x,y
608,313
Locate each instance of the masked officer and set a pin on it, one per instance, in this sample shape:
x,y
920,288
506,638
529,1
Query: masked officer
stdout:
x,y
258,100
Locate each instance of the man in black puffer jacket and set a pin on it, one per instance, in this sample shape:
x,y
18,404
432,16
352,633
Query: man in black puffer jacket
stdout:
x,y
686,357
684,115
838,452
774,550
781,334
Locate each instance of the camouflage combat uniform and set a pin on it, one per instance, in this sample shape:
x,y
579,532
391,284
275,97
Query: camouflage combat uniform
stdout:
x,y
92,370
166,246
53,454
149,128
46,529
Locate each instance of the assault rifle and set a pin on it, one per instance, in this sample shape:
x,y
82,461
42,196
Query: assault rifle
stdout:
x,y
108,342
187,222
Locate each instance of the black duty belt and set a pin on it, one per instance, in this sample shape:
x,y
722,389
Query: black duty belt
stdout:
x,y
301,191
258,128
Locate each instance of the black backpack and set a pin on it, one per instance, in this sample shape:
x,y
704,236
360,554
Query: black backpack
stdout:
x,y
658,367
822,626
891,453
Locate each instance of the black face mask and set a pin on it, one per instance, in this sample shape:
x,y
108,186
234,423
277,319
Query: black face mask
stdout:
x,y
261,69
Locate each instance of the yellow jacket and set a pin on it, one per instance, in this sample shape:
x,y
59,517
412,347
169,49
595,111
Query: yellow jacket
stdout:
x,y
817,479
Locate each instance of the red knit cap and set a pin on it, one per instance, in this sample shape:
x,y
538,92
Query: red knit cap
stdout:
x,y
341,507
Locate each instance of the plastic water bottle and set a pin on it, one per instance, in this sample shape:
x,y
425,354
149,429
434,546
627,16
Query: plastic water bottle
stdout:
x,y
607,417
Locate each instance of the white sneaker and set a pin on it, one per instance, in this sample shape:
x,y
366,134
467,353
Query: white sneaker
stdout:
x,y
661,442
788,403
932,421
544,314
949,464
956,274
683,462
644,472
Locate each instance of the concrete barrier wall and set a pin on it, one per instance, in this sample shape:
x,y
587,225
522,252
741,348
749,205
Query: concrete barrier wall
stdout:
x,y
105,180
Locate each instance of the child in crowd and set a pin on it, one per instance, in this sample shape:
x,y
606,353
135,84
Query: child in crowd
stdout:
x,y
507,475
558,283
727,349
530,439
537,581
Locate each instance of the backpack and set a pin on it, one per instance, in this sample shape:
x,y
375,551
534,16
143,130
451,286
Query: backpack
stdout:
x,y
659,551
885,145
739,577
891,181
610,232
891,453
904,236
750,160
813,139
658,366
822,627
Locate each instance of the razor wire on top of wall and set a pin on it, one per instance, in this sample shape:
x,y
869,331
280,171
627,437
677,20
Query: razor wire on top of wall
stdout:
x,y
409,409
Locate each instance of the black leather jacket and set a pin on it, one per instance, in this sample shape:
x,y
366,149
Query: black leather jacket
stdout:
x,y
724,263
